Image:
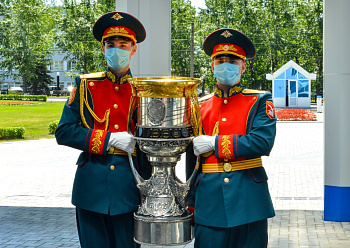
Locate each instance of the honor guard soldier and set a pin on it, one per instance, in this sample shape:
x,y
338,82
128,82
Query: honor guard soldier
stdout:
x,y
229,194
97,119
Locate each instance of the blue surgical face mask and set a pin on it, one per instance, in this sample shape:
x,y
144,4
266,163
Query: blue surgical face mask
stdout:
x,y
226,73
117,58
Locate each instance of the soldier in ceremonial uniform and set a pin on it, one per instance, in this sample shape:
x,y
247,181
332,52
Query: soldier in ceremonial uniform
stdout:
x,y
229,194
97,119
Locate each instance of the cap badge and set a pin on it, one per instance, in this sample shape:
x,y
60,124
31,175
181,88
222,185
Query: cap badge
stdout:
x,y
117,17
226,34
226,48
117,30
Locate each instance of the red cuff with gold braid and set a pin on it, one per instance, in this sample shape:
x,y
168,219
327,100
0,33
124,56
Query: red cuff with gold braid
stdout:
x,y
97,141
224,147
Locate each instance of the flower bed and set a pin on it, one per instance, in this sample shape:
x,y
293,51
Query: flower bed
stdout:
x,y
16,103
290,114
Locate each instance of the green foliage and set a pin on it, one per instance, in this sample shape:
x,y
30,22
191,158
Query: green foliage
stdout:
x,y
280,31
76,21
182,15
24,97
11,133
27,30
52,127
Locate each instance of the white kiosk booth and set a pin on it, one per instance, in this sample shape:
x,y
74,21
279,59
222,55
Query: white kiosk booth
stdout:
x,y
291,86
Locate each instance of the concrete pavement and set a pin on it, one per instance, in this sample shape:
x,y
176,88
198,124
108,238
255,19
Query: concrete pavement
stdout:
x,y
36,180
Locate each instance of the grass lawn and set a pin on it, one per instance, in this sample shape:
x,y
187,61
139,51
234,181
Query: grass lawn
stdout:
x,y
34,118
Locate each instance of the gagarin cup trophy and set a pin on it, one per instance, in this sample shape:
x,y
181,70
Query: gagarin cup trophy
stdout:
x,y
168,119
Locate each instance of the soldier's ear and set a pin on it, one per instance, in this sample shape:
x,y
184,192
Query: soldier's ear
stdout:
x,y
244,67
133,50
103,49
212,66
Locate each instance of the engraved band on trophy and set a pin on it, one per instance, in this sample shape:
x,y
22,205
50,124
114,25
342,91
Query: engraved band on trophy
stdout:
x,y
168,119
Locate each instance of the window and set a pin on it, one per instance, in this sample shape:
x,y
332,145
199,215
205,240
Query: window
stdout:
x,y
303,88
291,73
282,76
70,65
58,65
279,88
301,76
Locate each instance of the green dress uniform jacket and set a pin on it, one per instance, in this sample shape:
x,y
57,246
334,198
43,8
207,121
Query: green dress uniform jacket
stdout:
x,y
99,105
245,125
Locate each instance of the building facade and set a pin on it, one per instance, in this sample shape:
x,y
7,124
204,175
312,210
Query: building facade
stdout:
x,y
291,86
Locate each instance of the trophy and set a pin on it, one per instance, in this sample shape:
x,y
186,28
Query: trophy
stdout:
x,y
168,119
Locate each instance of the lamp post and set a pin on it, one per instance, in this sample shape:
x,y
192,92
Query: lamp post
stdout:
x,y
58,83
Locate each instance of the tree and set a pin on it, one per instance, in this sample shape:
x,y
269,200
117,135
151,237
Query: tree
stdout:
x,y
26,38
75,33
280,31
182,14
39,84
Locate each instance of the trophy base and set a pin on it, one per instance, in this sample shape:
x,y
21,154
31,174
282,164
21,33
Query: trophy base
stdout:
x,y
157,231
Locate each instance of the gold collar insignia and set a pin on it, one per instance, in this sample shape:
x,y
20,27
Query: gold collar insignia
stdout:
x,y
235,90
111,76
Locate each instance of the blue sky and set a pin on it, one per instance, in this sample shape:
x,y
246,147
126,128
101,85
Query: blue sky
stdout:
x,y
198,3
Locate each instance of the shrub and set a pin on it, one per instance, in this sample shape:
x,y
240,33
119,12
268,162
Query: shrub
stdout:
x,y
24,97
52,127
290,114
12,133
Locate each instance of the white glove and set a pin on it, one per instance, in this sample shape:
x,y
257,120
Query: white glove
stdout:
x,y
122,141
203,144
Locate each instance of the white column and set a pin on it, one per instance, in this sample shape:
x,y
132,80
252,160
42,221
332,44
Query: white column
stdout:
x,y
153,55
337,110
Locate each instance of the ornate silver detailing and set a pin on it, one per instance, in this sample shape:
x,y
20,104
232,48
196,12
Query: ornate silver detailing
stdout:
x,y
156,111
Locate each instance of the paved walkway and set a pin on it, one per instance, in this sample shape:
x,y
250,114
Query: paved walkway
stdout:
x,y
36,179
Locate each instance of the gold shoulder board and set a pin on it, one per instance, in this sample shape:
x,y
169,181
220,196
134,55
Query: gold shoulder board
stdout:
x,y
93,75
249,91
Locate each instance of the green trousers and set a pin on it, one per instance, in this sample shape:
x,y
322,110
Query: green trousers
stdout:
x,y
100,230
251,235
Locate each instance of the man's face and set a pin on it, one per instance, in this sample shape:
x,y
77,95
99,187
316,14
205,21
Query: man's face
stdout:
x,y
121,43
232,60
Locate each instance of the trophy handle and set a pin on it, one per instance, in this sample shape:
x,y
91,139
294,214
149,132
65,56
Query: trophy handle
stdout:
x,y
138,178
193,173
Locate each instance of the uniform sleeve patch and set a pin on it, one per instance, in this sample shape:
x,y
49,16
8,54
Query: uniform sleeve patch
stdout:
x,y
270,109
72,95
225,146
97,141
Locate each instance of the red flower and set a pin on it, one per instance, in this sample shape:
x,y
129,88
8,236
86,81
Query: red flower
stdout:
x,y
290,114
